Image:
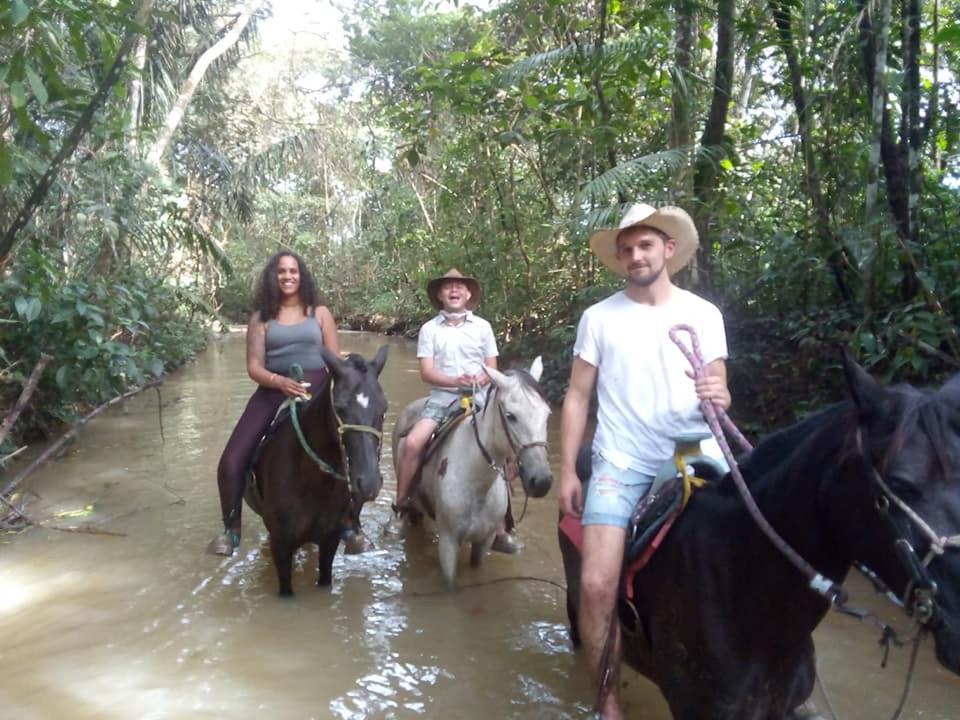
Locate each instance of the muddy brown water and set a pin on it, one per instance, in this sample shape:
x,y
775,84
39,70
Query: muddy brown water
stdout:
x,y
145,625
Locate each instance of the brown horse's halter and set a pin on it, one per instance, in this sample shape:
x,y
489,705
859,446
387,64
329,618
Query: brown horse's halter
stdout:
x,y
342,428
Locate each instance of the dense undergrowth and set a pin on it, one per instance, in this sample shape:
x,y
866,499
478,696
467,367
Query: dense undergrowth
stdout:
x,y
104,334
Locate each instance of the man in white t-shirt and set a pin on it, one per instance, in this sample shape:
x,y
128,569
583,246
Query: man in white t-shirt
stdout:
x,y
646,398
452,348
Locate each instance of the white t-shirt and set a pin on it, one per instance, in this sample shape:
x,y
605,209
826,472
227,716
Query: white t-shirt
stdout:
x,y
457,349
645,396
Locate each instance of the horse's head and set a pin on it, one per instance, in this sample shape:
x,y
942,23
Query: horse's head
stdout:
x,y
359,404
524,411
909,444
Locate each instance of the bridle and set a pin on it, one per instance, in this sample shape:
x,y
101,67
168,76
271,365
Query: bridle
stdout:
x,y
921,589
516,449
342,428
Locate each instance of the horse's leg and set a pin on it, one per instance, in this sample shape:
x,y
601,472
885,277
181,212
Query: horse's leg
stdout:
x,y
801,687
478,550
328,548
448,548
283,560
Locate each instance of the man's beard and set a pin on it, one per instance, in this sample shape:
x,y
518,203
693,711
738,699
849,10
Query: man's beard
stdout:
x,y
647,280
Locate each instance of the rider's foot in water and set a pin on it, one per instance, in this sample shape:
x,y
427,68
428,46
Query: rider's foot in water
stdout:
x,y
506,543
224,543
355,542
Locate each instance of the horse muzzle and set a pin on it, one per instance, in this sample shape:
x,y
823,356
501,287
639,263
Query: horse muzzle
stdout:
x,y
366,487
536,480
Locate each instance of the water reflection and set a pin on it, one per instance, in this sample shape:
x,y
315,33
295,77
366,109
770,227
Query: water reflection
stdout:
x,y
145,625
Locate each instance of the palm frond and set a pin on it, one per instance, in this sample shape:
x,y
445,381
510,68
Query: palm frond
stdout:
x,y
622,48
624,178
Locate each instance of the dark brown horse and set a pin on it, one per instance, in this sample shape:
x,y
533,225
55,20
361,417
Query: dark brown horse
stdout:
x,y
723,622
308,482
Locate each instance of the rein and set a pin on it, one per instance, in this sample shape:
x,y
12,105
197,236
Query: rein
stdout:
x,y
919,593
342,428
829,590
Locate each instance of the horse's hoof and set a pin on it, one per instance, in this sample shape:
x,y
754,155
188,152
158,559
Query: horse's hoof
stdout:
x,y
506,543
223,544
356,543
807,711
396,525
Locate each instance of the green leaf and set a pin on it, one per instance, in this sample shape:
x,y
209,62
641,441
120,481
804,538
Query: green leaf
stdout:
x,y
18,96
949,35
156,367
36,84
61,377
28,308
6,163
726,164
531,101
20,12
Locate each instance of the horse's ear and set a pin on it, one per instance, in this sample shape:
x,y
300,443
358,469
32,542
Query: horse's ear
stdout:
x,y
380,359
536,368
497,377
333,361
868,394
951,389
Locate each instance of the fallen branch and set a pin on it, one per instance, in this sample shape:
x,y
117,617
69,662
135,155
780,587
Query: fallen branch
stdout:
x,y
3,460
24,398
929,349
84,529
54,447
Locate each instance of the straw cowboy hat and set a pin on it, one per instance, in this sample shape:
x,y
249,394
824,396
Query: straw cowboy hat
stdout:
x,y
433,287
673,221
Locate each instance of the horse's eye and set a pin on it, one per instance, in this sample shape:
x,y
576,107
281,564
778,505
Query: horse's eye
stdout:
x,y
511,417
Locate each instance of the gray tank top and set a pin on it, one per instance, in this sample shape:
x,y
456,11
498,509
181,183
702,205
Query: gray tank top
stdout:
x,y
289,344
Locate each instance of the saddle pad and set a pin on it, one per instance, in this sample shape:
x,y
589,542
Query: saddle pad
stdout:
x,y
656,518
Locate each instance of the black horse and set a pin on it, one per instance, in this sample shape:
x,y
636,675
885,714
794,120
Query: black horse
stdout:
x,y
305,487
723,621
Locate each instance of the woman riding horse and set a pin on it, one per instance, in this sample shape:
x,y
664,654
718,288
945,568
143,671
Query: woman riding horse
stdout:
x,y
289,327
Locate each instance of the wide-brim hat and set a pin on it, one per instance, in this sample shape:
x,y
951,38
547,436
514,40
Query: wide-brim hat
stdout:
x,y
433,287
671,220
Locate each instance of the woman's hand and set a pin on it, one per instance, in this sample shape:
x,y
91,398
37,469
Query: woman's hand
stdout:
x,y
288,386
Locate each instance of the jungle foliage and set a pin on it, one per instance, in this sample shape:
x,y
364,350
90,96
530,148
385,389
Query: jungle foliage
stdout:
x,y
153,153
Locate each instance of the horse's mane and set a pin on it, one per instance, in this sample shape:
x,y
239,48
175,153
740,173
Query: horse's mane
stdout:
x,y
824,429
527,379
933,413
827,432
357,361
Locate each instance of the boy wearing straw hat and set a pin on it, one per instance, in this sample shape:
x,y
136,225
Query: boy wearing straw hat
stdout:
x,y
452,348
646,397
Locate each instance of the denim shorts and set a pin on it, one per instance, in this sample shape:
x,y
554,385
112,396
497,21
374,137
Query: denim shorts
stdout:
x,y
612,493
440,407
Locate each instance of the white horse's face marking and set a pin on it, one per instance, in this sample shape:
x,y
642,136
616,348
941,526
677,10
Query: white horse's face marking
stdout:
x,y
362,400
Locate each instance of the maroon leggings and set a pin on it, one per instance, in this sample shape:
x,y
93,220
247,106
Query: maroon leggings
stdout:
x,y
253,423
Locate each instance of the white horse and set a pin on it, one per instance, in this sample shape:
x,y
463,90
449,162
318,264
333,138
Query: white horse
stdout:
x,y
462,485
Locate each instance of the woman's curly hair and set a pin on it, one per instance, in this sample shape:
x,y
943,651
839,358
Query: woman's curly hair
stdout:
x,y
267,299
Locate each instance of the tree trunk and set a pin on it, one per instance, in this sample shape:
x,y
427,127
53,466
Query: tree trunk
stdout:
x,y
911,141
135,97
836,253
877,107
190,85
72,140
681,137
711,142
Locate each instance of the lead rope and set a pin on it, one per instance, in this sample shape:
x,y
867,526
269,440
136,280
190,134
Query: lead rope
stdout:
x,y
836,595
829,590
